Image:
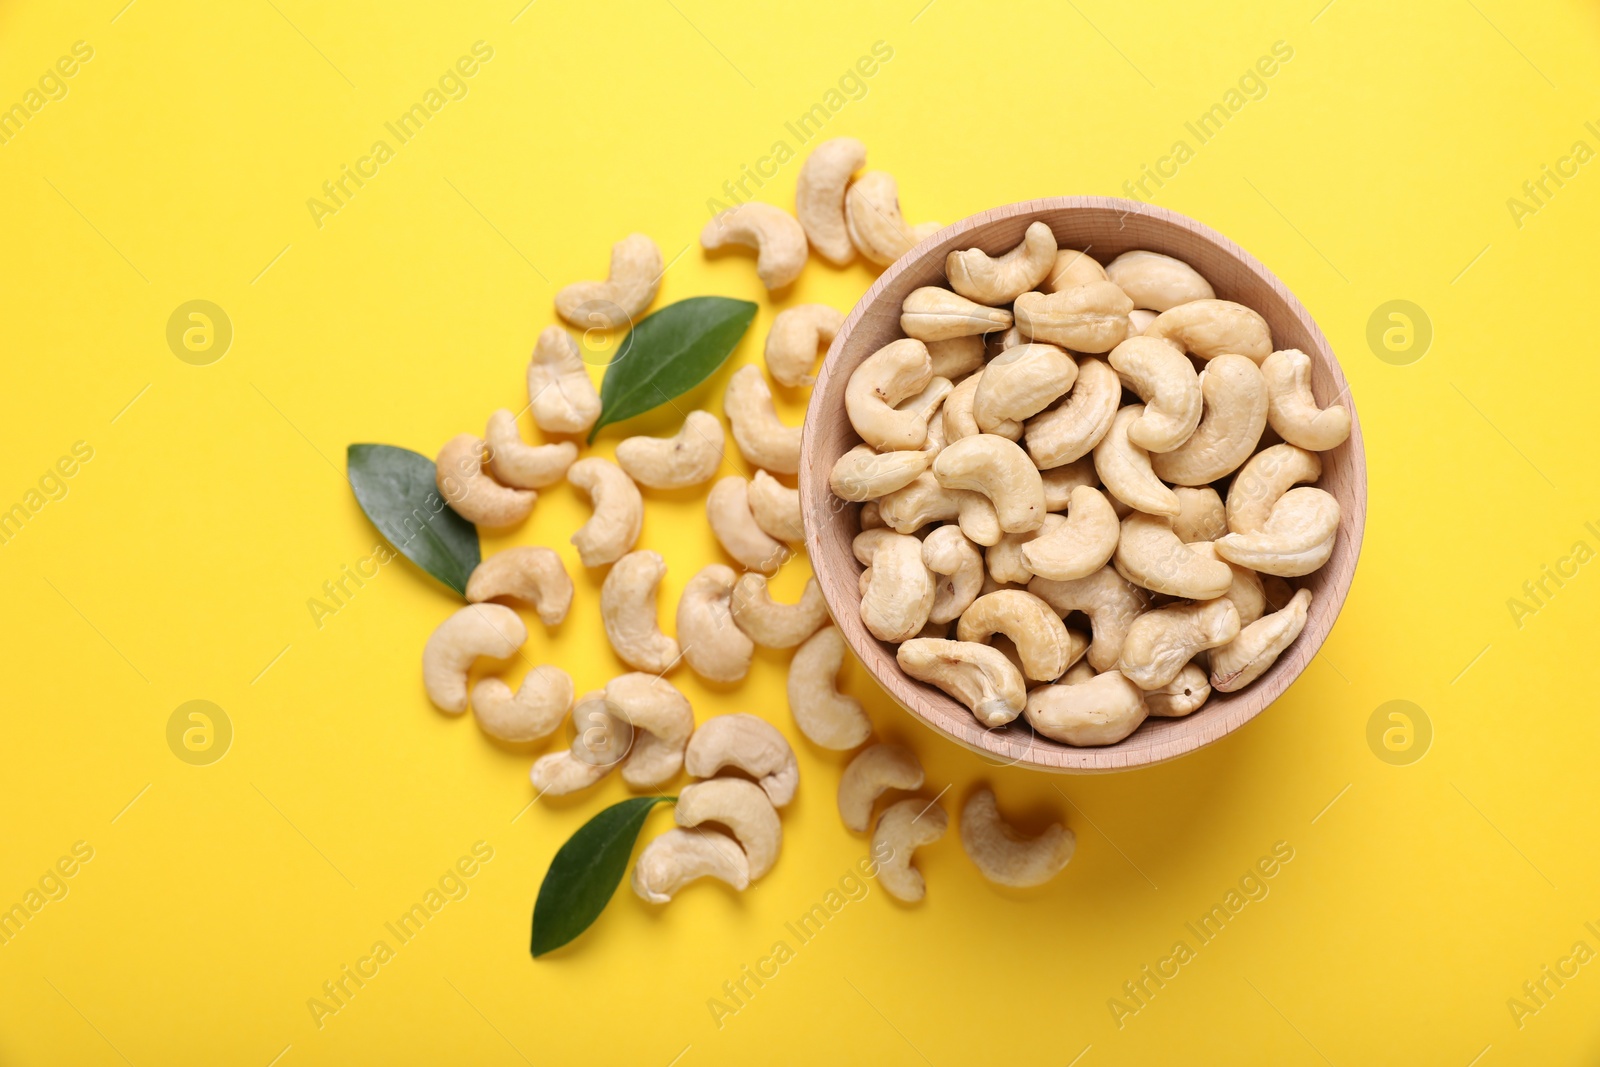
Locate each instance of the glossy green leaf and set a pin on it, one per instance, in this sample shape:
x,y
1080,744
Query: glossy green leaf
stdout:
x,y
585,872
670,352
397,489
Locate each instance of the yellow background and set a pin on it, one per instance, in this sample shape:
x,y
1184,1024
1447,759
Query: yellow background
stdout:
x,y
179,564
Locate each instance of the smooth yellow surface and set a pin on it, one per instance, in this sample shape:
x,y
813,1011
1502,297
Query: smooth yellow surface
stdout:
x,y
179,565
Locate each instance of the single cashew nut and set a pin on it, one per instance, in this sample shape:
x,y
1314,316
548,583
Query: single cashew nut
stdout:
x,y
776,235
490,630
1072,269
1235,414
1292,409
1111,602
1181,696
874,771
900,594
763,439
1150,555
1001,471
979,676
536,709
1297,538
1201,516
1071,429
863,473
678,857
715,648
932,313
771,624
562,397
614,527
826,716
466,487
733,522
892,374
1258,646
1245,591
956,357
873,220
628,611
1079,546
904,827
1006,857
1263,480
742,807
1209,328
662,721
1127,471
1092,317
1160,642
630,286
947,553
529,573
560,773
1021,382
1166,381
1043,642
689,457
749,744
1101,710
960,419
776,508
1158,282
819,197
520,465
796,335
977,276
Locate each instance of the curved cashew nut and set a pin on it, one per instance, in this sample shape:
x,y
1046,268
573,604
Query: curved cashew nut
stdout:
x,y
734,523
628,611
558,773
1092,317
826,716
947,553
873,220
1160,642
763,439
1181,696
776,235
956,356
874,771
863,473
771,624
520,465
1059,482
1071,430
1127,470
1111,602
662,721
466,487
749,744
1043,642
614,527
536,709
742,807
1081,545
1149,554
1006,857
1297,538
895,372
560,393
932,313
776,508
980,677
1201,516
490,630
678,857
921,501
529,573
904,827
600,738
819,197
989,464
1292,409
1235,414
1166,381
1021,382
977,276
1263,480
1099,711
1072,269
689,457
1258,646
959,417
900,595
1209,328
1245,590
1158,282
795,336
630,285
716,649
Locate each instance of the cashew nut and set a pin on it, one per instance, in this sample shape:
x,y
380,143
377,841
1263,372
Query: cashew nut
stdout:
x,y
771,624
537,708
763,439
1166,381
796,335
1293,411
959,419
874,771
1157,282
1160,642
1235,414
689,457
1020,383
742,807
1264,478
491,630
1081,545
1072,429
600,738
678,857
871,515
528,573
904,827
1127,471
863,473
1201,516
466,487
977,276
932,313
662,721
628,610
895,372
716,649
926,403
558,773
1111,602
989,464
872,218
733,522
1181,696
1149,554
1092,317
1006,857
1258,646
979,676
1043,642
630,285
515,463
947,553
614,527
921,501
819,197
1059,482
1072,269
956,357
560,393
826,716
1297,538
1209,328
1245,590
776,236
1099,711
749,744
776,508
900,595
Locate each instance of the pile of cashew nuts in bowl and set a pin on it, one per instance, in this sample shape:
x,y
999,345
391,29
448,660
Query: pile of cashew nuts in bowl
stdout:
x,y
1041,529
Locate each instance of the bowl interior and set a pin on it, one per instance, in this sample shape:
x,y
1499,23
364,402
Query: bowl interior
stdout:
x,y
1106,227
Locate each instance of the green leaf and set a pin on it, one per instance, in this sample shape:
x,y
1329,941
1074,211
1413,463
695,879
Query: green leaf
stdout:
x,y
397,489
585,872
668,353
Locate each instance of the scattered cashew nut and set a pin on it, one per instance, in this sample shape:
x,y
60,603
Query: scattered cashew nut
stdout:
x,y
771,624
1006,857
490,630
630,285
714,647
562,397
742,807
795,336
749,744
874,771
614,527
516,463
763,439
828,717
678,857
529,573
468,488
734,524
689,457
776,235
904,827
628,611
534,711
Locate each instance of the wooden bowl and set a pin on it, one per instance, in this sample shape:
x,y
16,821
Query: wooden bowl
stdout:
x,y
1106,227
